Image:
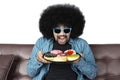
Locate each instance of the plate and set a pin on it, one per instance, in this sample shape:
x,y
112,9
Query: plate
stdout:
x,y
61,58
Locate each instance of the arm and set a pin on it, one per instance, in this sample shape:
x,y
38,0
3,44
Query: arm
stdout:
x,y
34,66
87,65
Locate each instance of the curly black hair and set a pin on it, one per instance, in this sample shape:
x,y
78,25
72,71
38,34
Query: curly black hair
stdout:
x,y
66,14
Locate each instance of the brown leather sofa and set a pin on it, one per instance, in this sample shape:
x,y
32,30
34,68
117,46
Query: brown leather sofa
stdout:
x,y
14,58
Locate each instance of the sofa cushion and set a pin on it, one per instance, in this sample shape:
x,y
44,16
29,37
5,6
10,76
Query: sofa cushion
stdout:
x,y
5,65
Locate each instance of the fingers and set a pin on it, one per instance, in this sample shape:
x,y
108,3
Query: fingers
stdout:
x,y
76,61
82,55
40,58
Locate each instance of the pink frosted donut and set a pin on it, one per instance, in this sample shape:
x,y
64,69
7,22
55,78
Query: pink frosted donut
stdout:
x,y
56,52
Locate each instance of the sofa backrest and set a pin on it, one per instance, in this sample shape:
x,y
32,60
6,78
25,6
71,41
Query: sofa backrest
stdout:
x,y
107,58
22,53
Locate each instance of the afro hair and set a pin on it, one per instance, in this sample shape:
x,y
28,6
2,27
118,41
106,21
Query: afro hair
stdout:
x,y
66,14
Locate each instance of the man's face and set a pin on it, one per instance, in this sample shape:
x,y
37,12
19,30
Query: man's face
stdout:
x,y
61,34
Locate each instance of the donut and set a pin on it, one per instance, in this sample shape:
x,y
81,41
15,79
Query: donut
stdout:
x,y
73,57
60,58
49,56
70,52
55,57
56,52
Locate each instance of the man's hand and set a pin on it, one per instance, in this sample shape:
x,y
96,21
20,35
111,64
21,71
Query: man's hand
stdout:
x,y
40,57
76,61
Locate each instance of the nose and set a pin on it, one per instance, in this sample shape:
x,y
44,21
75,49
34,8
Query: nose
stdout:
x,y
62,33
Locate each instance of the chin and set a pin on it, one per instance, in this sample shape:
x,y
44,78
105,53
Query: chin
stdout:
x,y
61,43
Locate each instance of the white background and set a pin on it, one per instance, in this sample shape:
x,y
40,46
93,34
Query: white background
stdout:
x,y
19,20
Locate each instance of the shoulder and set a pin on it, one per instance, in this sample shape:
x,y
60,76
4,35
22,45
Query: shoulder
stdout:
x,y
80,42
42,41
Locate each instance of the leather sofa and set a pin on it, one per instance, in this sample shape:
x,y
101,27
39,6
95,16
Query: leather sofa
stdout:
x,y
14,58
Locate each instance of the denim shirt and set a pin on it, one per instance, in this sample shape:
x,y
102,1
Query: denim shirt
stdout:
x,y
86,66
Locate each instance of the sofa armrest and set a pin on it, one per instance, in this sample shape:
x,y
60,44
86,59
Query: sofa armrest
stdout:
x,y
5,65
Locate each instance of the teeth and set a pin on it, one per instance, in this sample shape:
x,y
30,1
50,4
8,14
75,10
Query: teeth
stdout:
x,y
62,37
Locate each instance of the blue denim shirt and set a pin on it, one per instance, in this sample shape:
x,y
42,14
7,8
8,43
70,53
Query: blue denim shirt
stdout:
x,y
86,66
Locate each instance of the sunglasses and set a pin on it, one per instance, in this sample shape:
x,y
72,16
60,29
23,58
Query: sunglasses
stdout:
x,y
65,30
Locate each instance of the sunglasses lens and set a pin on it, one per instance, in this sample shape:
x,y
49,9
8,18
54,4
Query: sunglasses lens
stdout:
x,y
67,30
57,30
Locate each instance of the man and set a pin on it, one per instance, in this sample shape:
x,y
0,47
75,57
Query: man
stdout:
x,y
61,25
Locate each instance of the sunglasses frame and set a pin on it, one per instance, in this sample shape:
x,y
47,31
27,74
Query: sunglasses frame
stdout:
x,y
62,29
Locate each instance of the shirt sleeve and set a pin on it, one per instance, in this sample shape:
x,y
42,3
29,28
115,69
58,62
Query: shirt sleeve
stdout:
x,y
34,66
87,65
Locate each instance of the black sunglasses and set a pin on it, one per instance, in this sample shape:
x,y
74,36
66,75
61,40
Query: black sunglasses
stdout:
x,y
65,30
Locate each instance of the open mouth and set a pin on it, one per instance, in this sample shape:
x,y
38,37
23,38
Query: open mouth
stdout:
x,y
62,39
